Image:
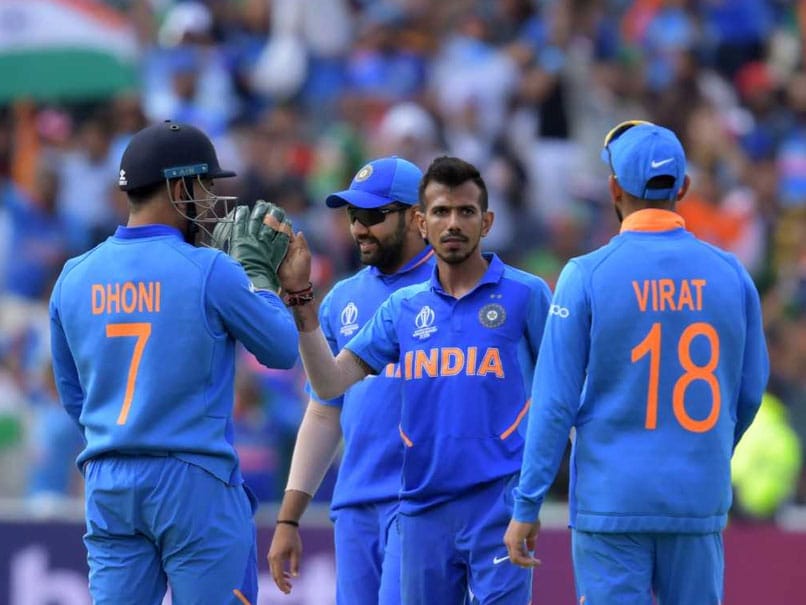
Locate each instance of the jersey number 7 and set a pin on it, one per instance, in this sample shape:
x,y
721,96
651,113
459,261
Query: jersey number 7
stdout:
x,y
141,331
651,345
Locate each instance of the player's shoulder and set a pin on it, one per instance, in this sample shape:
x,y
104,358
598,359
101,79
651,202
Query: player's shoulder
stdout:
x,y
200,260
526,278
591,260
716,252
351,282
347,288
78,261
411,291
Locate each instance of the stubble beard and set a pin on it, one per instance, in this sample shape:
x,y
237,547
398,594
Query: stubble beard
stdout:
x,y
456,257
388,255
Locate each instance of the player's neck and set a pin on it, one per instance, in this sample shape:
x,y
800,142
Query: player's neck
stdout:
x,y
459,279
158,213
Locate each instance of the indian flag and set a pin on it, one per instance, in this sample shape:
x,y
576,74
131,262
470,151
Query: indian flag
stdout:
x,y
64,50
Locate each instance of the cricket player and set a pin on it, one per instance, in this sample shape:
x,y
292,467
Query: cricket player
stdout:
x,y
380,204
464,344
143,331
654,353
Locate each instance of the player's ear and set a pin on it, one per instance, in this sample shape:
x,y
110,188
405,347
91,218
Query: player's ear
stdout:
x,y
616,192
177,190
684,189
411,219
487,219
616,195
419,216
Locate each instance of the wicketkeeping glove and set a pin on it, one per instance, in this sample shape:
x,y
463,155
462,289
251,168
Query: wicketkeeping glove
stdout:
x,y
258,240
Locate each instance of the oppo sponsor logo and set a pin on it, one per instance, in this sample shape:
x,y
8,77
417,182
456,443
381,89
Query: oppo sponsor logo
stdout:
x,y
559,311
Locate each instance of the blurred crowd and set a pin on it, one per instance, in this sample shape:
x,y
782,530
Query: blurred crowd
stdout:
x,y
298,94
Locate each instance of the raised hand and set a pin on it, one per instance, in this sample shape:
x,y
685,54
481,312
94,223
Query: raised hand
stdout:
x,y
258,240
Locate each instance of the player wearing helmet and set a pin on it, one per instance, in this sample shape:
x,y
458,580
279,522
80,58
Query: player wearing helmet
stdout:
x,y
143,330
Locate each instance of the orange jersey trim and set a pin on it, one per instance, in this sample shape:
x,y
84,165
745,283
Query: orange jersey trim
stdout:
x,y
408,442
422,260
652,220
518,420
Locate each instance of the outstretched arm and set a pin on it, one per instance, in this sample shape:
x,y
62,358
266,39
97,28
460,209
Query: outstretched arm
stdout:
x,y
329,376
317,441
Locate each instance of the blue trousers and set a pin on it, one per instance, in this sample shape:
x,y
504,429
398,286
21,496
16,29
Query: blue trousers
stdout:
x,y
679,569
457,548
367,555
155,521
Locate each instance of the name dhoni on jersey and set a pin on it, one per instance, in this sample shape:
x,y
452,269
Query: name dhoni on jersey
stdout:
x,y
447,361
669,294
126,297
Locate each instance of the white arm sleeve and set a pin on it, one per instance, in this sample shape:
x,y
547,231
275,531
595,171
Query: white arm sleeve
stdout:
x,y
318,440
329,376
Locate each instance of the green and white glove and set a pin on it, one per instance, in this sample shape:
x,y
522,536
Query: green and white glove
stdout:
x,y
257,239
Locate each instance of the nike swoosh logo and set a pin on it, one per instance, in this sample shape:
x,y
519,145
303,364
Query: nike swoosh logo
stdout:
x,y
661,163
499,560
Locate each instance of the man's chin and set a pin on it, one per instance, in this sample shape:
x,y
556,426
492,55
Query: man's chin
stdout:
x,y
454,257
369,258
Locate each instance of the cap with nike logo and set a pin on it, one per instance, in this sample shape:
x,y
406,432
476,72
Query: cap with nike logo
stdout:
x,y
643,153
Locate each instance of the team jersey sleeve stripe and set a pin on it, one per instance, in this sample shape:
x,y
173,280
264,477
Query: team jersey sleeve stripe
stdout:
x,y
518,420
408,442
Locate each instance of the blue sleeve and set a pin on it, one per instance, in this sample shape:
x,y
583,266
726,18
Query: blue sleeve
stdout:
x,y
258,319
64,367
756,365
330,336
538,312
556,391
376,343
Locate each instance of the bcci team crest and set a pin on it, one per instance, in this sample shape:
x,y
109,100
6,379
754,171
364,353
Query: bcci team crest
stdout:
x,y
349,319
363,174
492,315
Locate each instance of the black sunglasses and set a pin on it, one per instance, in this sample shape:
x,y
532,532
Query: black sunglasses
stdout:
x,y
372,216
615,133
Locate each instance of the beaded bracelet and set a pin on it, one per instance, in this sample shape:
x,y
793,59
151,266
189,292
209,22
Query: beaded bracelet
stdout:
x,y
299,297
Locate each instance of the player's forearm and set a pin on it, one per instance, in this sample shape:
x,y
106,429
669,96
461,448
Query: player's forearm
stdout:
x,y
329,376
317,441
293,505
306,318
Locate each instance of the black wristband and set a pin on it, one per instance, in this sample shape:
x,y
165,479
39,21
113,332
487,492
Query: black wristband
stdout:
x,y
288,522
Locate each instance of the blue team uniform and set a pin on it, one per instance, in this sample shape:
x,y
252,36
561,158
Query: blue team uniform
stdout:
x,y
144,328
654,351
365,497
466,366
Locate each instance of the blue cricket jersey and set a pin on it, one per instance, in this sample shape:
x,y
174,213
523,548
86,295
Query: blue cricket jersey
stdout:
x,y
466,365
370,410
654,351
143,332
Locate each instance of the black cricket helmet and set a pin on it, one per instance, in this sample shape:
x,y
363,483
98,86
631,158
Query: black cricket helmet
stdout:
x,y
168,151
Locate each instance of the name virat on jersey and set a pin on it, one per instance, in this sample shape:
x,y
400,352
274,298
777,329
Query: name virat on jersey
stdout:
x,y
126,297
669,294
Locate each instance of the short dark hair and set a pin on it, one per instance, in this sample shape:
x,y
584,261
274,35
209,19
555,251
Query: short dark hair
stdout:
x,y
146,192
452,172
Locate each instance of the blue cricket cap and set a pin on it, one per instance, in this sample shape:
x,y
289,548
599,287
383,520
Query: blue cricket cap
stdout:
x,y
643,152
380,183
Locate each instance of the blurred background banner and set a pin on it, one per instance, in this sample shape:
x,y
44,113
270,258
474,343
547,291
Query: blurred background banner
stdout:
x,y
64,50
43,563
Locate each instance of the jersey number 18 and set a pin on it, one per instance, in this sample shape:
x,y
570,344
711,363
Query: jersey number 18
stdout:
x,y
651,345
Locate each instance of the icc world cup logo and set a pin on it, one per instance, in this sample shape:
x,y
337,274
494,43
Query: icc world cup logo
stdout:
x,y
425,318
